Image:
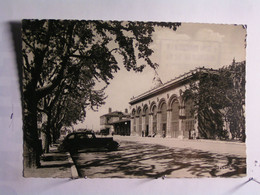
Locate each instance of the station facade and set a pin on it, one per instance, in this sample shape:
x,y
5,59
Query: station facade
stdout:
x,y
163,112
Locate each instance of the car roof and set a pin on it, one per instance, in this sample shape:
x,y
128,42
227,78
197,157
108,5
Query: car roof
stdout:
x,y
80,132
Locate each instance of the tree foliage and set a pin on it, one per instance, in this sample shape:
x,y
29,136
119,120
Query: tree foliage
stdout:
x,y
219,97
235,113
64,59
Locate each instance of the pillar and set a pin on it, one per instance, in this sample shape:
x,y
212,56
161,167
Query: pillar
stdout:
x,y
132,126
150,124
159,132
181,118
143,126
137,125
169,118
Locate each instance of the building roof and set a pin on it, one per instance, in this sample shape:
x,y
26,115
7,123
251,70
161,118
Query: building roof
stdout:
x,y
169,84
115,113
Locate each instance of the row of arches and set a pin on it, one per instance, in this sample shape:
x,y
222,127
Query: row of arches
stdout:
x,y
172,118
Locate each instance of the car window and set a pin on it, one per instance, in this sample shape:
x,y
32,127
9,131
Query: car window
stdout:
x,y
82,136
90,136
71,137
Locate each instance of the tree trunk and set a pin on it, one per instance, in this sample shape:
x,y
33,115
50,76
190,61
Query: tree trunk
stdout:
x,y
32,147
47,135
45,143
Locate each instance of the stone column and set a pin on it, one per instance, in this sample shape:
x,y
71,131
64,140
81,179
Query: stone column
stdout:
x,y
169,118
181,118
137,126
150,124
132,126
143,126
159,132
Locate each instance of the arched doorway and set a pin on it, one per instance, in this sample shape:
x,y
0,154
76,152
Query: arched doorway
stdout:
x,y
175,119
146,121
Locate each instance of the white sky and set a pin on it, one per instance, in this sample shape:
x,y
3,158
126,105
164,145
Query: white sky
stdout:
x,y
192,45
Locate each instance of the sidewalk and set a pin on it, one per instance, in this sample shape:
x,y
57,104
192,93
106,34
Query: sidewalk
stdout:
x,y
54,164
218,147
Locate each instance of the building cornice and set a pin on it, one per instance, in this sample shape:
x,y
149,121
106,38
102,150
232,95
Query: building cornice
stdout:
x,y
172,84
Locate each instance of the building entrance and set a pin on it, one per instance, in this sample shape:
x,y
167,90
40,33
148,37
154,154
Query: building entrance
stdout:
x,y
164,128
147,131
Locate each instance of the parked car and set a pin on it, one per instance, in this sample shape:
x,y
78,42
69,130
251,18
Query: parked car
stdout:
x,y
87,140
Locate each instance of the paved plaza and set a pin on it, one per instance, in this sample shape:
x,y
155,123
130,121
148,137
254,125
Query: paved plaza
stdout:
x,y
162,157
212,146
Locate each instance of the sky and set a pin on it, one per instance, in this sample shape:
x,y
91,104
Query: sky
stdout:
x,y
192,45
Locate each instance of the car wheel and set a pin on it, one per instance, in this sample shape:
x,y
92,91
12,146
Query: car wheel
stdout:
x,y
112,146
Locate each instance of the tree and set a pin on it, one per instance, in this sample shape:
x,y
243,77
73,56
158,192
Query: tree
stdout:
x,y
57,53
235,112
219,97
66,105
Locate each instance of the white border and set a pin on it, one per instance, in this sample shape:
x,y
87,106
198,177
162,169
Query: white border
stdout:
x,y
221,11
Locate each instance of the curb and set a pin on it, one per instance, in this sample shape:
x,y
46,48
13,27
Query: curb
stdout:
x,y
74,171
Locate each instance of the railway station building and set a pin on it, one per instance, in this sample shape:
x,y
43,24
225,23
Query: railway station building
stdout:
x,y
163,112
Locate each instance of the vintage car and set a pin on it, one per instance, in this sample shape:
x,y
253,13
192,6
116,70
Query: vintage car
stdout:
x,y
87,140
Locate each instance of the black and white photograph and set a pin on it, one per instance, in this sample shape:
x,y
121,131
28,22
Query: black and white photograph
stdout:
x,y
133,99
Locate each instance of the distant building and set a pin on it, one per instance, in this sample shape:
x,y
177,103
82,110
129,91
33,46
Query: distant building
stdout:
x,y
163,112
122,127
115,122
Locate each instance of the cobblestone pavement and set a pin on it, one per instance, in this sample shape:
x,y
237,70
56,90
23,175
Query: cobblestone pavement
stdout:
x,y
143,160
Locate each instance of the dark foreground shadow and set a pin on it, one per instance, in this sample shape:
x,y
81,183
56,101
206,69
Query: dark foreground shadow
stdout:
x,y
54,160
61,165
137,160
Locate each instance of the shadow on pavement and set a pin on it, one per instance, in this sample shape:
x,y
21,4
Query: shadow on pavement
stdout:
x,y
134,160
54,160
53,165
